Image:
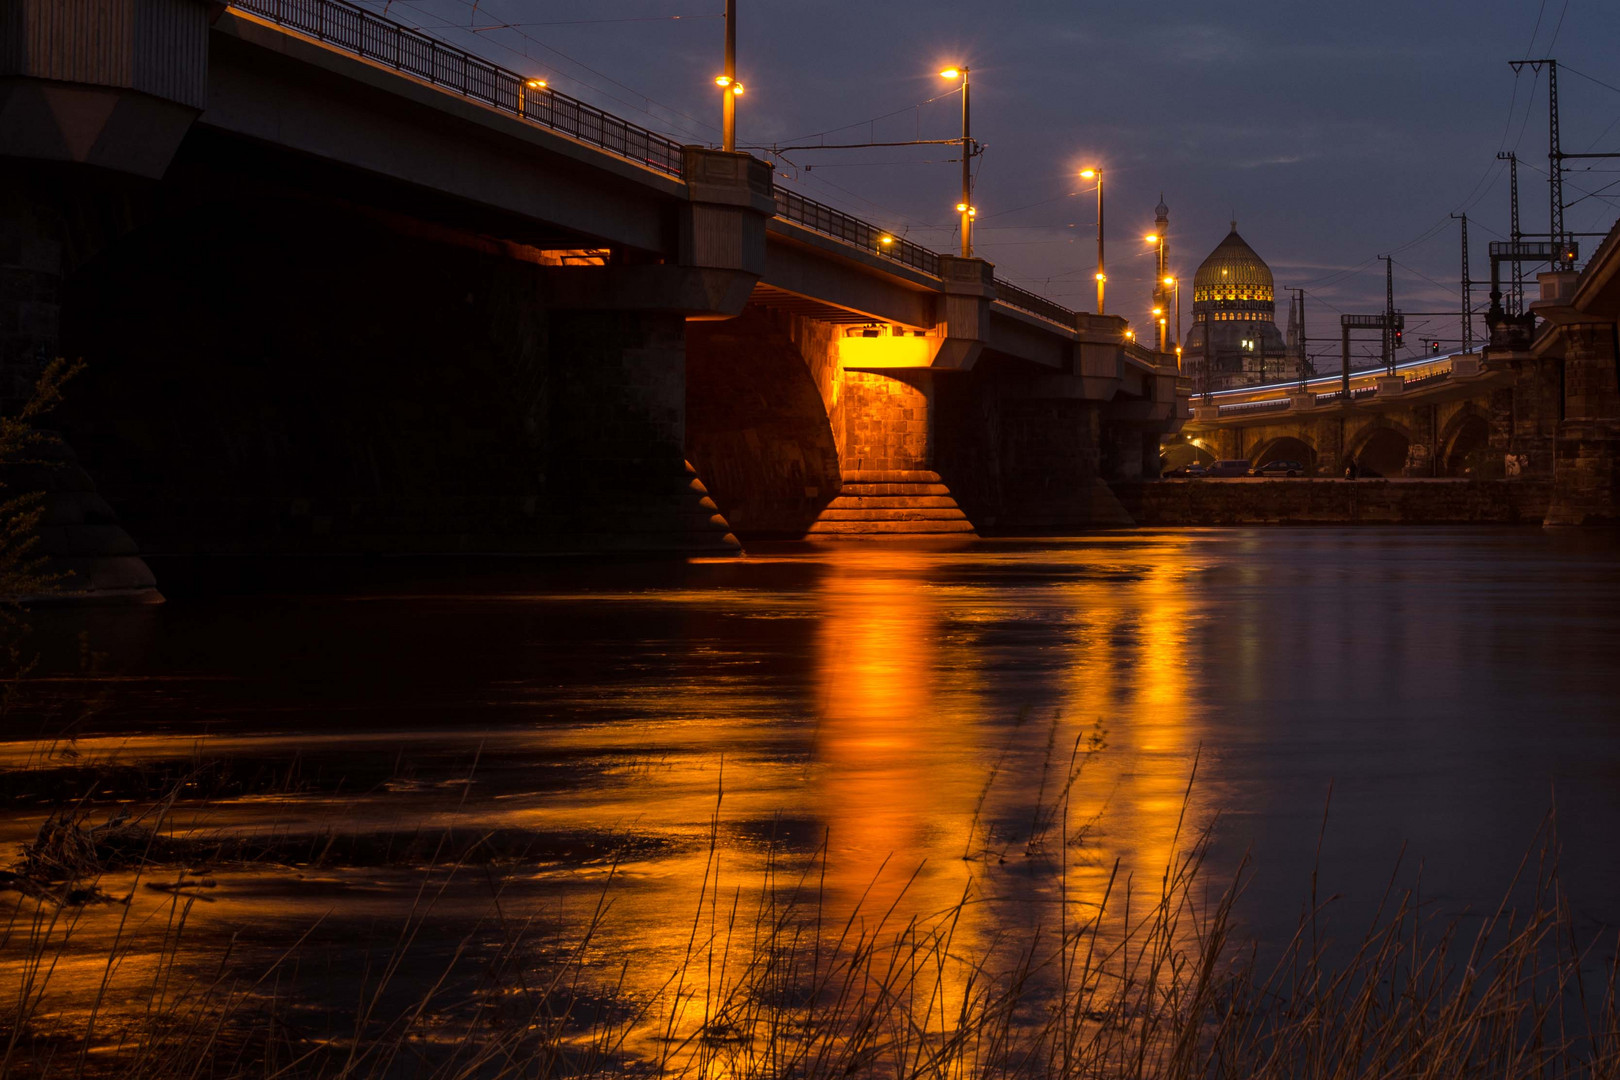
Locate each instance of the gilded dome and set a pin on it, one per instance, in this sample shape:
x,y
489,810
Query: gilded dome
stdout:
x,y
1233,273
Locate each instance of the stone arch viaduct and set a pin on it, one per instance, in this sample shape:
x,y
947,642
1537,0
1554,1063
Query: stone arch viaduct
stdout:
x,y
1449,416
1538,409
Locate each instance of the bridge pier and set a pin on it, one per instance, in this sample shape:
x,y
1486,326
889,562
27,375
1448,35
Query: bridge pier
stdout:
x,y
95,98
1053,450
1586,473
615,459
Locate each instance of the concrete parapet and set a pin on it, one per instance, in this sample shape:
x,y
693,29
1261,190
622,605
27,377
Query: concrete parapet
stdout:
x,y
963,319
110,83
730,201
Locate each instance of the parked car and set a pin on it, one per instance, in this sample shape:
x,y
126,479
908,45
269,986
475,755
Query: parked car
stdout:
x,y
1192,471
1278,468
1230,467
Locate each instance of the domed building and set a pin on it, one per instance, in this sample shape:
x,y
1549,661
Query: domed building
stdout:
x,y
1234,340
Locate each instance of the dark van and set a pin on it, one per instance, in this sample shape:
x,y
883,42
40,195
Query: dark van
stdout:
x,y
1231,467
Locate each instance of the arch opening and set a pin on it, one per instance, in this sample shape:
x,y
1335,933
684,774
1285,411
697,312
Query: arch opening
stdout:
x,y
1178,455
1383,453
1469,445
1286,448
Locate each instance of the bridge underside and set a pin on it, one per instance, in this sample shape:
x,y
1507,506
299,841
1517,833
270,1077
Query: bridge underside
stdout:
x,y
338,309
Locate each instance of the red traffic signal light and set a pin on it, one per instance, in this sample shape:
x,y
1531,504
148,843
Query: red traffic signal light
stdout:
x,y
1434,347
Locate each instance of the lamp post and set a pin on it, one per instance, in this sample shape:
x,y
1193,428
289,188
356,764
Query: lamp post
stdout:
x,y
1175,283
730,88
1093,173
965,207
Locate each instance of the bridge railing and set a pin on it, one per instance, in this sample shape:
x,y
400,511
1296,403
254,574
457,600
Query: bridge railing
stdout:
x,y
1024,300
821,218
1358,392
358,31
1267,405
1139,352
1429,379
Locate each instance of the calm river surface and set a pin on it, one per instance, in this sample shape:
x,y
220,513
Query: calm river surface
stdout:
x,y
914,710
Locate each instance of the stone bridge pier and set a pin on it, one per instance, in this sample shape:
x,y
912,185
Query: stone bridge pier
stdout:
x,y
1582,335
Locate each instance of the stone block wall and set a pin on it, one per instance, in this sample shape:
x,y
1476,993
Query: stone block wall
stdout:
x,y
1170,503
888,420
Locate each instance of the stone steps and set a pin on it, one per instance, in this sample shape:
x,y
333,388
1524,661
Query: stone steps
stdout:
x,y
897,502
859,529
876,503
908,490
891,476
896,513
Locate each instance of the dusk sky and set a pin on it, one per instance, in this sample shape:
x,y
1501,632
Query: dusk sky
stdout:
x,y
1334,133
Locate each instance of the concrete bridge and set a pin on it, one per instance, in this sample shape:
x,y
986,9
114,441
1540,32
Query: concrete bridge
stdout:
x,y
344,288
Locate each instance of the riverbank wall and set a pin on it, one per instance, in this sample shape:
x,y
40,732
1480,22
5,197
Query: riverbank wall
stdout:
x,y
1255,501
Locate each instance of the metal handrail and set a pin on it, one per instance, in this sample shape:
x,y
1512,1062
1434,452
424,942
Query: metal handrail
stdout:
x,y
1139,352
1026,301
823,219
1426,380
358,31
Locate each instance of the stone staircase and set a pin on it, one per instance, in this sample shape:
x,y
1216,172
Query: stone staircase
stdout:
x,y
877,504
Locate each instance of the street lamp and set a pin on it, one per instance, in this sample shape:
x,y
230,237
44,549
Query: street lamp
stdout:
x,y
965,207
730,88
524,96
1175,283
1094,173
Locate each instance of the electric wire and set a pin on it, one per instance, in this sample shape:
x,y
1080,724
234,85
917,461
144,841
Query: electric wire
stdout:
x,y
444,24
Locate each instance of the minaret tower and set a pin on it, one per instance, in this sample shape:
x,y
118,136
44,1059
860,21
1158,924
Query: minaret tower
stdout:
x,y
1164,295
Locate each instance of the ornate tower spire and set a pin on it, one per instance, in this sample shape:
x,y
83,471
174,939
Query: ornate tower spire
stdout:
x,y
1164,296
1161,222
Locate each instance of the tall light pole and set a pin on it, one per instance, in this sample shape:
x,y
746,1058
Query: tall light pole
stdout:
x,y
1175,283
730,88
965,207
1102,272
1164,333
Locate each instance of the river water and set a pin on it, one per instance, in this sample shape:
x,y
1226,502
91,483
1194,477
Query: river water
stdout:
x,y
916,725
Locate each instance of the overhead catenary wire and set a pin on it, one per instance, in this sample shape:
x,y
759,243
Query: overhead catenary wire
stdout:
x,y
444,24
